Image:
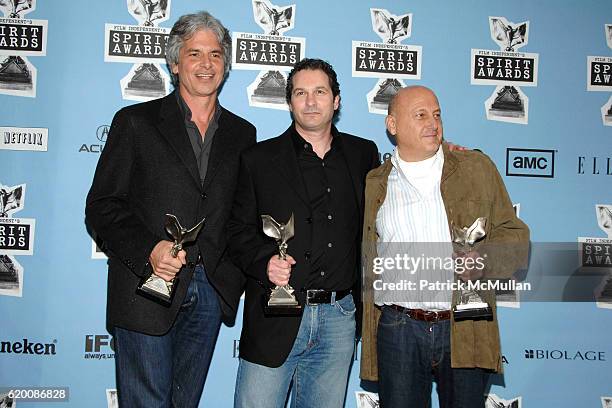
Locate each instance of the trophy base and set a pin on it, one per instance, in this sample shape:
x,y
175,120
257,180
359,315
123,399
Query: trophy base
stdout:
x,y
155,288
281,309
479,311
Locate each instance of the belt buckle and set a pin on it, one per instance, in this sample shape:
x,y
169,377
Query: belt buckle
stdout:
x,y
312,294
432,316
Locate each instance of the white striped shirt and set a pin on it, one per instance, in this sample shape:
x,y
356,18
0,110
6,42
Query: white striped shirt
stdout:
x,y
412,221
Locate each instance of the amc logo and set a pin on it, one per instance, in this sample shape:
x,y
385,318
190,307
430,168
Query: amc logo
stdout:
x,y
530,163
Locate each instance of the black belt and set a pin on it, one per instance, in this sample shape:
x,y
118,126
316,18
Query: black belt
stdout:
x,y
320,296
423,315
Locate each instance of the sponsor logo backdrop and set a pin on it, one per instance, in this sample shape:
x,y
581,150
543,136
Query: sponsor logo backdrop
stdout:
x,y
556,165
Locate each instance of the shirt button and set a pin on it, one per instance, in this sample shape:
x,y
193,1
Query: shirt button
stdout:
x,y
322,273
328,189
329,216
329,245
306,146
323,164
307,255
204,196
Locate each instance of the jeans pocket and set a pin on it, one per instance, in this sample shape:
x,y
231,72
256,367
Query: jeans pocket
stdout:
x,y
346,305
390,319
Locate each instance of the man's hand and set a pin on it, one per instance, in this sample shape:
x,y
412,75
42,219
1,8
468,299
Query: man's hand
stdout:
x,y
456,148
164,264
472,265
279,270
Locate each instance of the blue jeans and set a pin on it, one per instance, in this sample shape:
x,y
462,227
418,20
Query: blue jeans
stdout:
x,y
170,370
411,355
318,363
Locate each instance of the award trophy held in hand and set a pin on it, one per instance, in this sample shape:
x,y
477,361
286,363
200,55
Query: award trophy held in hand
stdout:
x,y
471,306
153,286
281,300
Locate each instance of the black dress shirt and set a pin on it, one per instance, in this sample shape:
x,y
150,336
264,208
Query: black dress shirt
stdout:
x,y
334,215
201,147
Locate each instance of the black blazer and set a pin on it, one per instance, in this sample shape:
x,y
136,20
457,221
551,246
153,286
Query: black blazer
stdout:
x,y
270,182
148,169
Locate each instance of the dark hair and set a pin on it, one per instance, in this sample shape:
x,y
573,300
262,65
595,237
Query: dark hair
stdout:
x,y
313,64
186,27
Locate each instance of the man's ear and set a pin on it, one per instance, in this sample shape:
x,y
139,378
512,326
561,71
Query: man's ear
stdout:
x,y
391,125
336,102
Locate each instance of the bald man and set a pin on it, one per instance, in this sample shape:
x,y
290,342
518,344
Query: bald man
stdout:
x,y
410,336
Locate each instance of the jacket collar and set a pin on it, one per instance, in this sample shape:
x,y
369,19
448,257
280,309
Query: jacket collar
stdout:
x,y
171,126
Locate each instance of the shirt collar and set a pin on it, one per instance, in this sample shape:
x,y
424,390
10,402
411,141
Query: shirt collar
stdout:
x,y
187,111
300,144
436,163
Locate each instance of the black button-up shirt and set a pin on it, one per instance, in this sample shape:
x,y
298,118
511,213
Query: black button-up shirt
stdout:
x,y
334,215
201,147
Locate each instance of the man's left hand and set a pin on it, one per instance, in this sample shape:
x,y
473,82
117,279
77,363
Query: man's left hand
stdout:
x,y
456,148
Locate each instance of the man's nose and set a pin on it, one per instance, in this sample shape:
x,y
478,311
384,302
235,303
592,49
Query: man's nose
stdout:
x,y
433,123
310,99
205,61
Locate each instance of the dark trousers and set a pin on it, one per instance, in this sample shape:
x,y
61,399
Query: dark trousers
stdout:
x,y
412,354
170,370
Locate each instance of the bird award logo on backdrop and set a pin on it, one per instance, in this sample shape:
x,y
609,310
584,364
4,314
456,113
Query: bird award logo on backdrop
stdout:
x,y
508,69
20,38
493,401
144,46
599,77
597,253
16,238
389,61
271,53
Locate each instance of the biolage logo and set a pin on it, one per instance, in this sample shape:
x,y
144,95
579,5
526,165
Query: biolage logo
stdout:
x,y
99,347
27,346
530,162
560,354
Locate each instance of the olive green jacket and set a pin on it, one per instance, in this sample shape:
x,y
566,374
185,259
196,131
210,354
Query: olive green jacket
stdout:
x,y
471,187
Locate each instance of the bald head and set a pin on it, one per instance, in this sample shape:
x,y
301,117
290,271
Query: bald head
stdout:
x,y
415,120
407,92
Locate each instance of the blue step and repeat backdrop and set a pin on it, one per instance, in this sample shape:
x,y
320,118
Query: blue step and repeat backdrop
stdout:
x,y
528,83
